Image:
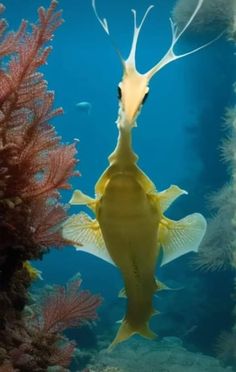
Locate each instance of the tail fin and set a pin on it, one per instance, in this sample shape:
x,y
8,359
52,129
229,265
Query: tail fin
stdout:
x,y
126,331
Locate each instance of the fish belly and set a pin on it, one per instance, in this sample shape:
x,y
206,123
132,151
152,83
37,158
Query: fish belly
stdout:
x,y
128,222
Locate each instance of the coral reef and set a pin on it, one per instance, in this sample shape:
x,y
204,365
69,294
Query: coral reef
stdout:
x,y
225,348
226,343
214,15
33,167
166,355
218,249
63,308
43,344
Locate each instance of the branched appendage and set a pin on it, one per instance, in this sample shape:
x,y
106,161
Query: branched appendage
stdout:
x,y
176,35
171,56
134,86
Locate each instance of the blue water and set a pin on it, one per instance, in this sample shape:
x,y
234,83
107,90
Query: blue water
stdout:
x,y
177,140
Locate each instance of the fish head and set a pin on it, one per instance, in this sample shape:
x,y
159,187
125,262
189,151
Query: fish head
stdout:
x,y
133,88
132,93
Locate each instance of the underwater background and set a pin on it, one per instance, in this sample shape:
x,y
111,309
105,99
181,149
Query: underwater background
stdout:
x,y
178,139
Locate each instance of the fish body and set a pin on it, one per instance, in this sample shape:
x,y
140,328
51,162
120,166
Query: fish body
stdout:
x,y
129,219
130,229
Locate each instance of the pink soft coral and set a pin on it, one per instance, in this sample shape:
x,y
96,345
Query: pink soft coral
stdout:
x,y
43,344
68,307
33,167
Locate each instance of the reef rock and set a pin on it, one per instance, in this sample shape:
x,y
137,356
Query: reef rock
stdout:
x,y
167,355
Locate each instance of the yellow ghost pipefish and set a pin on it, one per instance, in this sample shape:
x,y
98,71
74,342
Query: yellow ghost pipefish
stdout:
x,y
130,228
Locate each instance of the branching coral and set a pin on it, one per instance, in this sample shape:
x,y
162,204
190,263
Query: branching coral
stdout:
x,y
64,308
218,249
43,345
28,146
33,167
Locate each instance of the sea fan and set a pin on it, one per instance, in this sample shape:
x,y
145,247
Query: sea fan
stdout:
x,y
62,355
68,307
33,167
61,308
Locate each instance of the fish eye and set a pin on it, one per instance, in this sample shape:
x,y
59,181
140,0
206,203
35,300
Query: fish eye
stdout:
x,y
119,92
144,98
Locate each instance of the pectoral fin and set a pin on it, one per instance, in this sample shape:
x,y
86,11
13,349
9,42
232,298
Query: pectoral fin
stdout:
x,y
160,286
180,237
81,229
79,198
168,196
34,273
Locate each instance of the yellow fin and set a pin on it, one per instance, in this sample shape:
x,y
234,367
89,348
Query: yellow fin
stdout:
x,y
160,286
180,237
126,331
168,196
82,229
145,331
122,293
32,271
79,198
